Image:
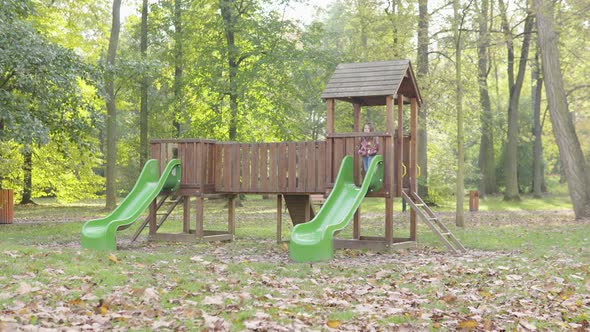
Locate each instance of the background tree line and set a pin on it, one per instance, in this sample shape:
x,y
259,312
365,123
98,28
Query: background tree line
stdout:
x,y
83,88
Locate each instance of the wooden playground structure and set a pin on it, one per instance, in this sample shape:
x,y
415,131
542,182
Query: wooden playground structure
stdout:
x,y
298,171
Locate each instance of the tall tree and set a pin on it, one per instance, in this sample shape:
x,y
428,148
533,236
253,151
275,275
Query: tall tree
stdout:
x,y
570,151
178,67
487,163
515,88
422,73
143,112
111,200
536,90
457,27
231,11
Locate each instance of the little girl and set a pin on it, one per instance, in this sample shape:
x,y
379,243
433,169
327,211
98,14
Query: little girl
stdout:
x,y
368,147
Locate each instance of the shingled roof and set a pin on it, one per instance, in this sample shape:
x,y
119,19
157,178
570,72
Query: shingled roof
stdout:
x,y
368,83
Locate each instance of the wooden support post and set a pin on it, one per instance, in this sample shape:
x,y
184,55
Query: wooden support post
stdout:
x,y
330,141
400,144
279,218
413,161
186,214
153,217
388,220
199,217
357,128
389,151
231,214
356,224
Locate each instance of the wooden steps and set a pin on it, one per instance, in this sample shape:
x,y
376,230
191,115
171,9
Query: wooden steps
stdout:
x,y
427,215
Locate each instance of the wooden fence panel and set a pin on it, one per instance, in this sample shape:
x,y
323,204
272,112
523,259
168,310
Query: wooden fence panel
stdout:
x,y
273,175
292,167
264,187
282,167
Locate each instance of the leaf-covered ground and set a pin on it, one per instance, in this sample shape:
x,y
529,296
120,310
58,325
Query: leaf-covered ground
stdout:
x,y
535,275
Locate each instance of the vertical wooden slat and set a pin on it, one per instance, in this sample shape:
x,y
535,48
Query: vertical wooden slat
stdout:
x,y
321,167
198,162
356,224
155,150
186,165
245,162
292,168
212,163
153,215
226,167
263,168
235,170
330,141
204,161
301,171
273,175
218,167
283,173
255,167
311,167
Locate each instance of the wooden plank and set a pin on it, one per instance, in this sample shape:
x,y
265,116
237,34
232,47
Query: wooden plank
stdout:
x,y
226,167
153,215
282,171
235,151
292,168
212,164
245,161
197,177
264,187
321,184
311,166
204,162
255,167
301,169
273,175
218,167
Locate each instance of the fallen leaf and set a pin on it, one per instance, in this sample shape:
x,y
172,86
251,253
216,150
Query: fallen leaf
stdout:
x,y
284,246
334,324
113,258
468,325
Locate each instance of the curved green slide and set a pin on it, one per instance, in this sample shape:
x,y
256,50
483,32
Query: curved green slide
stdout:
x,y
313,241
99,234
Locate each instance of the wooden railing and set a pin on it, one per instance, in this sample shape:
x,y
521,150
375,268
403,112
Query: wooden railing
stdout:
x,y
270,167
289,167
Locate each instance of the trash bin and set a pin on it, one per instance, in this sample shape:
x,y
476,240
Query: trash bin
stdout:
x,y
474,200
6,206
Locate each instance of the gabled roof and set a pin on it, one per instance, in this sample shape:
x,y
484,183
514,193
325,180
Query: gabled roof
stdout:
x,y
368,83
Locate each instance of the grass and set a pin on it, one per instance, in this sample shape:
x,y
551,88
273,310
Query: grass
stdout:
x,y
522,267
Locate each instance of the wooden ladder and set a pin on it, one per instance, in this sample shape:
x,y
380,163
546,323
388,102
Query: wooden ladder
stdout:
x,y
163,216
426,214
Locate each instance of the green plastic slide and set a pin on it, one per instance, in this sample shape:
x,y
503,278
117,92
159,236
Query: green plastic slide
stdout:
x,y
99,234
313,241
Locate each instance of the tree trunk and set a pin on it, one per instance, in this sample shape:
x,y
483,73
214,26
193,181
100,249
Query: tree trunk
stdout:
x,y
422,72
459,213
143,112
111,201
515,86
538,169
229,22
27,175
487,162
178,68
570,151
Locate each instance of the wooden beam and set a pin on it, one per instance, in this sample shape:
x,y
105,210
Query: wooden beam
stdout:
x,y
231,214
399,145
186,214
153,217
389,220
279,218
199,217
